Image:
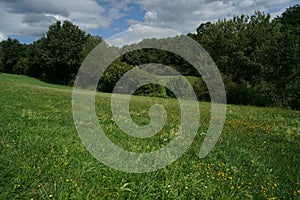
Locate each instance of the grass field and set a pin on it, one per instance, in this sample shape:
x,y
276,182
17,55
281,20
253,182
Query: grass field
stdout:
x,y
42,157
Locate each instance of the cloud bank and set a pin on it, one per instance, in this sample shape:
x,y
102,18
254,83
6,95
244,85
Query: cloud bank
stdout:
x,y
187,15
33,17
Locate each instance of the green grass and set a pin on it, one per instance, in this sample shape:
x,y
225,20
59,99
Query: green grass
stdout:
x,y
42,157
190,79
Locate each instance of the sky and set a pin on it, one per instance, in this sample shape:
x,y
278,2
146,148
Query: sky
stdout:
x,y
28,20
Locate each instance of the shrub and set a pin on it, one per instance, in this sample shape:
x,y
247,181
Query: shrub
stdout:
x,y
201,90
236,93
116,70
111,76
21,67
181,86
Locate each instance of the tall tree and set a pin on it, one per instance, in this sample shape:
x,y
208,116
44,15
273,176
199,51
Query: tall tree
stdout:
x,y
288,65
35,57
61,48
11,51
89,45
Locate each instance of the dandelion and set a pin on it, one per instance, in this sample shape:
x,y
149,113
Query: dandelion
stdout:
x,y
51,196
75,184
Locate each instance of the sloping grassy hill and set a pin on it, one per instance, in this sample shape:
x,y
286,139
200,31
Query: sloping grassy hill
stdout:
x,y
42,157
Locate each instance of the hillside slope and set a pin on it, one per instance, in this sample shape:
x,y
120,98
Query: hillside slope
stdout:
x,y
42,157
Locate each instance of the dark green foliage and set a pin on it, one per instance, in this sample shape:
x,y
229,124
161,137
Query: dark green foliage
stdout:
x,y
261,56
90,44
291,16
264,93
235,44
11,51
201,90
151,89
117,69
35,55
285,73
136,79
61,52
181,88
145,56
57,56
21,67
236,93
111,76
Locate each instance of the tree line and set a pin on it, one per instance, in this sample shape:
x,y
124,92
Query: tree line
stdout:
x,y
257,56
55,57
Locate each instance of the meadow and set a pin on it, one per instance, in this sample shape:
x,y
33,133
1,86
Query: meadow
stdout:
x,y
42,157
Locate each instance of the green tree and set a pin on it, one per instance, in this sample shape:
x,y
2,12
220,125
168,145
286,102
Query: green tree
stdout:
x,y
112,74
261,56
287,68
61,48
35,58
183,90
90,43
291,16
11,50
21,67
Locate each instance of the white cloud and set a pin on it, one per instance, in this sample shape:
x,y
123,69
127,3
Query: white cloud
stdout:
x,y
138,32
246,3
2,36
186,15
33,17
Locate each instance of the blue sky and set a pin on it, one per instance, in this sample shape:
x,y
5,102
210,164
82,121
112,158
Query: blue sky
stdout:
x,y
27,20
134,13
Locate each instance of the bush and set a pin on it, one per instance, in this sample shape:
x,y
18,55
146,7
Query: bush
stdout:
x,y
264,94
1,65
21,67
236,93
136,78
201,90
116,70
181,86
294,95
111,76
